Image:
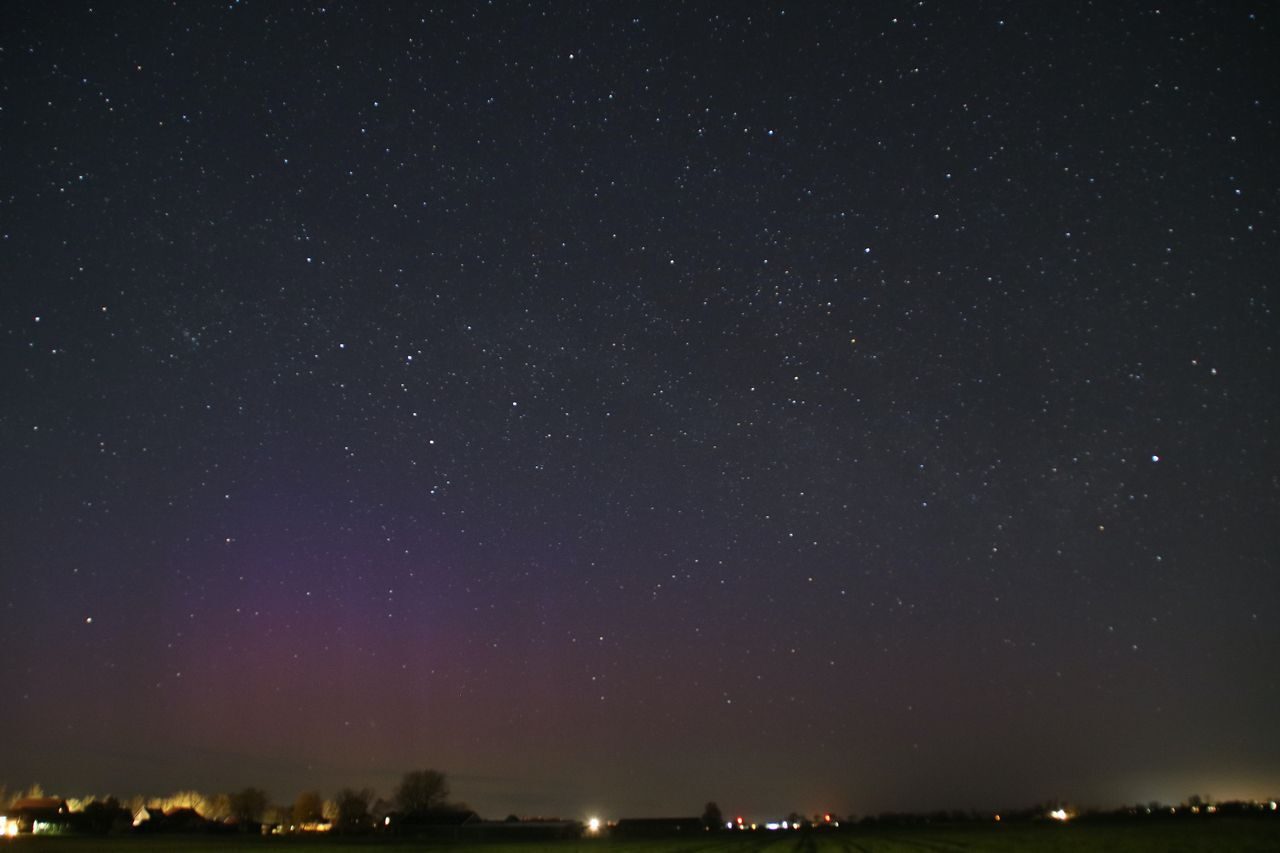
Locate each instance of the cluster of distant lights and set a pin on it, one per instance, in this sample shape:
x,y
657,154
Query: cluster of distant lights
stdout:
x,y
774,825
594,825
9,826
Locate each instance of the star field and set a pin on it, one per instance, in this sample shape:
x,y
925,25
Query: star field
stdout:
x,y
621,406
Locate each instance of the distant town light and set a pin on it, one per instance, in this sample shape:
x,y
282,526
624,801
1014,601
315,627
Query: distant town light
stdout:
x,y
997,818
593,824
1059,814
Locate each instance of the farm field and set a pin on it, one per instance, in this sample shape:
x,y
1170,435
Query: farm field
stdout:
x,y
1219,836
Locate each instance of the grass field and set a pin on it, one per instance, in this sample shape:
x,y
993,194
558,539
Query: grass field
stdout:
x,y
1218,836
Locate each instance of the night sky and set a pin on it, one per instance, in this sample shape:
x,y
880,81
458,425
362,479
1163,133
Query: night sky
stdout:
x,y
618,406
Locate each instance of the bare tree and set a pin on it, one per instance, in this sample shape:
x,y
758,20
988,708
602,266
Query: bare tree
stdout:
x,y
33,792
353,810
248,805
218,807
194,800
422,791
279,815
308,808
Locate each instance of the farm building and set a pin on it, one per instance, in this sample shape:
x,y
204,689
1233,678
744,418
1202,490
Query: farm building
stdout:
x,y
37,815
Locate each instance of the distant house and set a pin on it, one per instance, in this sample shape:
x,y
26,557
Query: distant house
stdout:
x,y
320,824
37,815
185,820
440,823
147,813
656,826
181,820
525,830
103,817
437,817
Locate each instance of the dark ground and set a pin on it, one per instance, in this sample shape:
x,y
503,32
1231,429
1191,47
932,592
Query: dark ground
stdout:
x,y
1219,836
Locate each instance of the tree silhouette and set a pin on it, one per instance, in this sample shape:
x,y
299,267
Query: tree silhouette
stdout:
x,y
353,810
102,816
712,817
248,805
422,791
308,808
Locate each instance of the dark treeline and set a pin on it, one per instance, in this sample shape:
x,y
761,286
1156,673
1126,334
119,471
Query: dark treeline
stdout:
x,y
421,806
421,800
1195,807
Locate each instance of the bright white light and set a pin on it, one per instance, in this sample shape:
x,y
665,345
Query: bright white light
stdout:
x,y
773,825
1059,814
593,825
